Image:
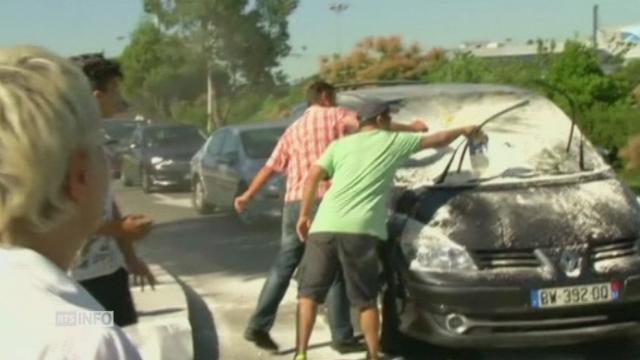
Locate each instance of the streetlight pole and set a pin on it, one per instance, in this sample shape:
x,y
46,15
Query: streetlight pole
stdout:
x,y
339,8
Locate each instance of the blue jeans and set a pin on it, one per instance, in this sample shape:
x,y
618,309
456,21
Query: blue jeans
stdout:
x,y
275,287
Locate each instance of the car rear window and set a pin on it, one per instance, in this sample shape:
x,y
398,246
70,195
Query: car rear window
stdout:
x,y
259,143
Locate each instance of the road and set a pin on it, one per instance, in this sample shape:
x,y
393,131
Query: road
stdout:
x,y
223,264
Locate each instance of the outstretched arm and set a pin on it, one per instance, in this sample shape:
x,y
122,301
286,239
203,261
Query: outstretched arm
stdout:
x,y
416,126
264,175
308,200
445,138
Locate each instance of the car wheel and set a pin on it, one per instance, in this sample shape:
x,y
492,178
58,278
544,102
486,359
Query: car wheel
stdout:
x,y
147,183
199,196
125,179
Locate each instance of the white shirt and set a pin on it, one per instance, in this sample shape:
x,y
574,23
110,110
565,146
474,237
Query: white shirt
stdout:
x,y
34,292
101,255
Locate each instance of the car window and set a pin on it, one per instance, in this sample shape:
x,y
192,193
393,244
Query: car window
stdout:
x,y
259,143
120,131
230,144
172,136
215,144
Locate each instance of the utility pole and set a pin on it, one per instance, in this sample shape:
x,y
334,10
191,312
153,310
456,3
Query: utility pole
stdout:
x,y
339,8
596,26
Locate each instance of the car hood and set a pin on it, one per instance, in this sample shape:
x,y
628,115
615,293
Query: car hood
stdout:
x,y
181,153
548,215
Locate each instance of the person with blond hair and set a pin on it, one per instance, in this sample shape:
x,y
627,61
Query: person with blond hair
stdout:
x,y
53,183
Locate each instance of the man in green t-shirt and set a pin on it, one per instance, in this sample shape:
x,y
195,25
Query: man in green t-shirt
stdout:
x,y
351,219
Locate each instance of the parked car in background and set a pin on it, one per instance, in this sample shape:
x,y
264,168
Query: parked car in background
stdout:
x,y
228,162
533,242
117,135
159,156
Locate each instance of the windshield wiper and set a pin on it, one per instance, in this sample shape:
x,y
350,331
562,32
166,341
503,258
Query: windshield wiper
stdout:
x,y
444,174
574,116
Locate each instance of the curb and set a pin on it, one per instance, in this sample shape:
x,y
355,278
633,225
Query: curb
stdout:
x,y
163,330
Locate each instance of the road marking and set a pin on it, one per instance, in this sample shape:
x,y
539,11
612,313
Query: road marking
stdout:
x,y
162,199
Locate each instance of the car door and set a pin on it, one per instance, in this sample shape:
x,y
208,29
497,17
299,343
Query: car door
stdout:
x,y
208,165
228,175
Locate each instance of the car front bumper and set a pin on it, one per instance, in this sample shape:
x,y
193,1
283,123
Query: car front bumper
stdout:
x,y
502,316
171,174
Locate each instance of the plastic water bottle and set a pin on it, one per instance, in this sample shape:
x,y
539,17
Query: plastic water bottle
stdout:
x,y
478,146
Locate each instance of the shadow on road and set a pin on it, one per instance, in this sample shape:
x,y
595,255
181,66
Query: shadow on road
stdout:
x,y
215,244
206,345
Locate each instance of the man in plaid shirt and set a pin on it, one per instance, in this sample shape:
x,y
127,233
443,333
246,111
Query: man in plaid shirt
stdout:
x,y
295,154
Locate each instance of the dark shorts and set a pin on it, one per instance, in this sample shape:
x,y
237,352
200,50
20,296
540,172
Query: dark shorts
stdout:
x,y
353,256
112,292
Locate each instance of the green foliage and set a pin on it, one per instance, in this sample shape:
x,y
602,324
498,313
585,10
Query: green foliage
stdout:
x,y
243,39
577,71
632,179
274,107
159,71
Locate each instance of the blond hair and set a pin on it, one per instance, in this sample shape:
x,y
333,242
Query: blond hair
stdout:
x,y
47,112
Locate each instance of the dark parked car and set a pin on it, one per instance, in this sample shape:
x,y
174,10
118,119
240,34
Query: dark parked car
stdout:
x,y
538,244
229,161
117,135
159,155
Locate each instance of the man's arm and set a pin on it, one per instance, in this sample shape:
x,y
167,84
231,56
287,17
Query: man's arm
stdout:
x,y
308,200
264,175
445,138
130,229
416,126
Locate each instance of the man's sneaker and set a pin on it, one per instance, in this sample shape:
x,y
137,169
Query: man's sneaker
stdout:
x,y
262,339
300,357
349,346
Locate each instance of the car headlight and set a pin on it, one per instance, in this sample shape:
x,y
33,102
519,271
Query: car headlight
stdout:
x,y
156,160
432,251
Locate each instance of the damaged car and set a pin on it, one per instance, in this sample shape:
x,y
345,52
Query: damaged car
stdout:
x,y
534,240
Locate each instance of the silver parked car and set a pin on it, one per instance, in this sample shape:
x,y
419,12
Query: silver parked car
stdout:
x,y
228,162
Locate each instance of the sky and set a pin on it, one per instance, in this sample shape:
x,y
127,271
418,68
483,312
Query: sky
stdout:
x,y
75,26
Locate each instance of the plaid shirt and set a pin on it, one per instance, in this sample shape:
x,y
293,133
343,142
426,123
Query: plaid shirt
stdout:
x,y
305,141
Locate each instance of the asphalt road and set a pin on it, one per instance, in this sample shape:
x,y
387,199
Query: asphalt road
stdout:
x,y
223,264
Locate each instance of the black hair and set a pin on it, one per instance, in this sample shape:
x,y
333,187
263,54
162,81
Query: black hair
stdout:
x,y
316,89
98,69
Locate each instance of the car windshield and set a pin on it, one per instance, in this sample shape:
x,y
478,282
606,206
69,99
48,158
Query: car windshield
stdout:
x,y
259,143
173,136
527,143
119,130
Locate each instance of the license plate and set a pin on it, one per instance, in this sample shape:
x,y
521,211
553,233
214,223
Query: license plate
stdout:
x,y
575,295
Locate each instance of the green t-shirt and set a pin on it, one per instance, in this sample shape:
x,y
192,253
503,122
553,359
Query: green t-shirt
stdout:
x,y
361,168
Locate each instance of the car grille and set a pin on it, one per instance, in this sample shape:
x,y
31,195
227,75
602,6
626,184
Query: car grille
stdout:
x,y
616,250
506,259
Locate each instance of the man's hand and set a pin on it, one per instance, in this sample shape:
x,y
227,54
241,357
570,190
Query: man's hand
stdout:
x,y
304,224
241,203
135,227
471,130
419,126
141,273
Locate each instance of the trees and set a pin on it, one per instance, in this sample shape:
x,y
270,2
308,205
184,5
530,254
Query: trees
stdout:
x,y
240,39
380,58
160,71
